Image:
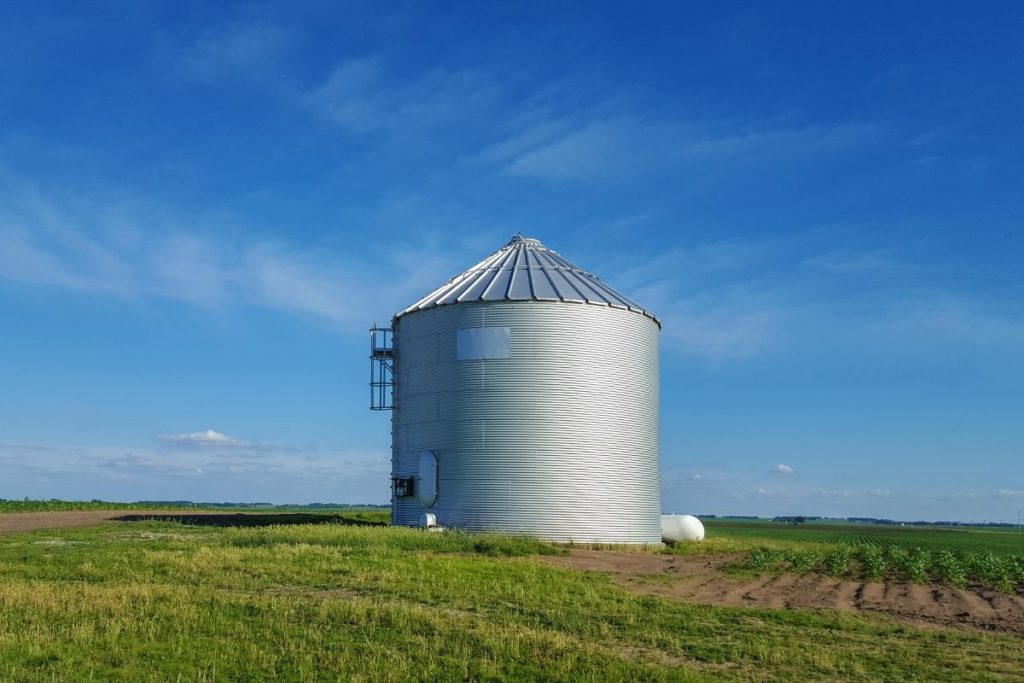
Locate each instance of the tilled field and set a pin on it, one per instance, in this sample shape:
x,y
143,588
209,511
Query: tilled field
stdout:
x,y
701,579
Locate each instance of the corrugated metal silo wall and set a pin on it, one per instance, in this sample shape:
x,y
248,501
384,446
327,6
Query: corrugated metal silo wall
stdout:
x,y
559,440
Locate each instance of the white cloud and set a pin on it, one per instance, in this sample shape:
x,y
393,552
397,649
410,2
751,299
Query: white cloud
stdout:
x,y
733,300
958,319
215,473
718,332
854,263
244,48
95,245
529,137
783,469
364,97
596,150
219,444
729,490
206,438
709,303
625,147
719,301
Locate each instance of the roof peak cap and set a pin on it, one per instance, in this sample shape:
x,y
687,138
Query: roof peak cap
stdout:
x,y
518,239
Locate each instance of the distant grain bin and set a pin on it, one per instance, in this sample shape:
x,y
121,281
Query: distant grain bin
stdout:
x,y
525,400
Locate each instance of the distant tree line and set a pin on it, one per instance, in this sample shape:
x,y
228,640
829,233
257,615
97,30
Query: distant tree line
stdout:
x,y
873,520
288,506
800,519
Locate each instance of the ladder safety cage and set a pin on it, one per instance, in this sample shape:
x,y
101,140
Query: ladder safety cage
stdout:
x,y
382,371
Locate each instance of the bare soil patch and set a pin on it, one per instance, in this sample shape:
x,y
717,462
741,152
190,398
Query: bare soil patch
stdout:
x,y
701,579
13,522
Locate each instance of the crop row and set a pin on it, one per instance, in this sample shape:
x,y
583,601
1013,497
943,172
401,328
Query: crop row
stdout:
x,y
76,505
916,565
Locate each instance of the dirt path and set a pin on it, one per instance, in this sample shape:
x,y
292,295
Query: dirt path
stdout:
x,y
700,579
30,521
13,522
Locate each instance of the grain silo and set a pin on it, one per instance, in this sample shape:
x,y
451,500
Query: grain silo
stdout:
x,y
524,394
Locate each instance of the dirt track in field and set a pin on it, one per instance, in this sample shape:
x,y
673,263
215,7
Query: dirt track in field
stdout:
x,y
700,579
13,522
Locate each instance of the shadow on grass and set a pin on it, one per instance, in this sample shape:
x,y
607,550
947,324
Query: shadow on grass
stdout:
x,y
241,519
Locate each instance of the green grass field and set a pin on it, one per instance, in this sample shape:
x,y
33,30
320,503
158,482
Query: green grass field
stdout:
x,y
351,601
956,556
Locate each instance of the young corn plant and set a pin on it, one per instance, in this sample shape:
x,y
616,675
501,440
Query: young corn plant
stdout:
x,y
873,560
837,562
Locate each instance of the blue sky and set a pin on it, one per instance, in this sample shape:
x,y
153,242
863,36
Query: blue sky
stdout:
x,y
203,206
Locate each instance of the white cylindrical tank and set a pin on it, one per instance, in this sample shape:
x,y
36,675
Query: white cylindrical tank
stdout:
x,y
679,528
534,387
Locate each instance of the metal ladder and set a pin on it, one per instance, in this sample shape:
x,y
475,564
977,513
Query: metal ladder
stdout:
x,y
382,370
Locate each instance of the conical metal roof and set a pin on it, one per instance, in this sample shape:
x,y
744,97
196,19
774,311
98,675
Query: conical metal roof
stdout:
x,y
526,270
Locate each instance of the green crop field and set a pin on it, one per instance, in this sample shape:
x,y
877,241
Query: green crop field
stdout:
x,y
350,600
82,505
56,505
957,556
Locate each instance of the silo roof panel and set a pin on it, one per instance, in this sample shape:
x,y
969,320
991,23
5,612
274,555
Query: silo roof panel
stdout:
x,y
526,270
520,286
543,289
564,286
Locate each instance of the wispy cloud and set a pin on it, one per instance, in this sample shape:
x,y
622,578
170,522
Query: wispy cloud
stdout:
x,y
628,147
203,439
731,490
242,47
783,469
568,130
721,300
731,300
601,149
363,96
958,318
222,471
854,263
712,299
71,242
722,325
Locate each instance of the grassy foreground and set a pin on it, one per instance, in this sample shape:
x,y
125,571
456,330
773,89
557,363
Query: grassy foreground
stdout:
x,y
161,601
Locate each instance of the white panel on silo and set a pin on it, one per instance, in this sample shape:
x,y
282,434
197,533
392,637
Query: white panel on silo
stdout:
x,y
481,343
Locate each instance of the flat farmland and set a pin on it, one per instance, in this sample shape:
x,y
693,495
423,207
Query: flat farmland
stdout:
x,y
1003,541
953,556
153,595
